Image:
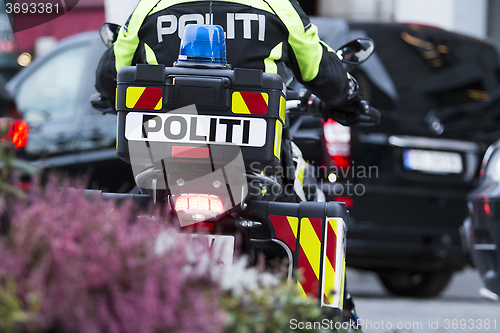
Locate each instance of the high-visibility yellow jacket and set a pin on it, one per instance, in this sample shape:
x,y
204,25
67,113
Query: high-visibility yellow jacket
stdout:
x,y
260,34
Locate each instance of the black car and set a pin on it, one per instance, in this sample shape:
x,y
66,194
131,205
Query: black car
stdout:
x,y
409,177
66,133
481,230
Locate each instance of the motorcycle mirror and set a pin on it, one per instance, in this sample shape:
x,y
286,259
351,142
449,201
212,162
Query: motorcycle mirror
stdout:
x,y
109,33
356,51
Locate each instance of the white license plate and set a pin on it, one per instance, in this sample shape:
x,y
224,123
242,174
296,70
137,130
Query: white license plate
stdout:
x,y
195,129
221,245
438,162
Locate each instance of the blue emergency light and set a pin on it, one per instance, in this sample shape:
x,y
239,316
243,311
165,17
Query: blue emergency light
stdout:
x,y
202,44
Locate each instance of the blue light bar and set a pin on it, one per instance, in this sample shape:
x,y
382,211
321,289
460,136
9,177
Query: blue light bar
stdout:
x,y
203,44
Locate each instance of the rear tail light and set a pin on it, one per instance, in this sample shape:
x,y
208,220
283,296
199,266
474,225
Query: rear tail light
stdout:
x,y
20,135
338,143
347,200
487,209
17,132
199,202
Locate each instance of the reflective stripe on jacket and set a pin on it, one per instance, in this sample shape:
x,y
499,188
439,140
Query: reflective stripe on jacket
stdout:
x,y
261,34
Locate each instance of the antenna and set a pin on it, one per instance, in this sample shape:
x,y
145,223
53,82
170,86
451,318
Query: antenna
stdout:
x,y
211,14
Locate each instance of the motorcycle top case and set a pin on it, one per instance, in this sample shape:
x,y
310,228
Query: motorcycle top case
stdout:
x,y
193,115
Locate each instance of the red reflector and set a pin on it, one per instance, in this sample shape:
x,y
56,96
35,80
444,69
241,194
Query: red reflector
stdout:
x,y
199,202
347,200
255,102
190,152
149,98
200,226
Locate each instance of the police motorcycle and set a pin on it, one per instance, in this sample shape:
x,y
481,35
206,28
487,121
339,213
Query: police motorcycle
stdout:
x,y
213,145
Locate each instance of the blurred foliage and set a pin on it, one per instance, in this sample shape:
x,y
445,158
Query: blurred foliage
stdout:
x,y
13,313
271,310
96,269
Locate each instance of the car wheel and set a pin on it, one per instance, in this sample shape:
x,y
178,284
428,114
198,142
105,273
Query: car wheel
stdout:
x,y
415,284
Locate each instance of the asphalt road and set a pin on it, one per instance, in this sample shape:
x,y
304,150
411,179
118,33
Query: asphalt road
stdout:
x,y
460,308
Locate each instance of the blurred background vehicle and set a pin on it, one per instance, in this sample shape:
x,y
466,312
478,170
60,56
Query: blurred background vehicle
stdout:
x,y
411,173
428,151
481,229
66,133
13,129
9,54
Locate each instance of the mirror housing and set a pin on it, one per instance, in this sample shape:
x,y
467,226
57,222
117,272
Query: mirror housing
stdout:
x,y
356,51
109,33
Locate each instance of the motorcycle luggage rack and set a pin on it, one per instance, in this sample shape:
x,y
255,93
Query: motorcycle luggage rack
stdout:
x,y
141,200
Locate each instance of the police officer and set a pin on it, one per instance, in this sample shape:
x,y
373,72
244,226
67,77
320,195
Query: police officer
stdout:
x,y
260,34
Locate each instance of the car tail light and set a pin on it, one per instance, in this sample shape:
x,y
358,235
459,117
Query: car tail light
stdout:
x,y
199,202
486,205
338,143
20,135
347,200
17,133
487,209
